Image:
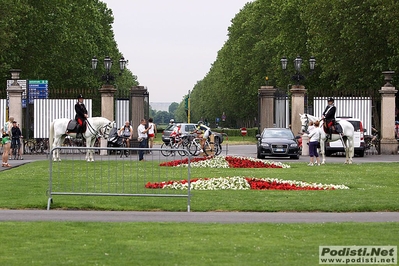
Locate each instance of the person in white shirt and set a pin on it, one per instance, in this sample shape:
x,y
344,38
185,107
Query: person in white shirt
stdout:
x,y
142,137
314,138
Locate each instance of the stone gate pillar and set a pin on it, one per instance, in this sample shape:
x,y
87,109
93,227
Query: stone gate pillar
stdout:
x,y
137,98
266,106
388,143
107,108
297,107
15,98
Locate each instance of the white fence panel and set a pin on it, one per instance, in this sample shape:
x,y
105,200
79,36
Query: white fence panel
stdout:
x,y
121,112
282,112
355,107
46,110
3,110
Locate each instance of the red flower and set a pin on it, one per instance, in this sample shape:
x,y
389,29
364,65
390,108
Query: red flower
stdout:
x,y
259,184
236,162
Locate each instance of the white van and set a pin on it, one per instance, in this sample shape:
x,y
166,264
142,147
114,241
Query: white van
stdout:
x,y
360,147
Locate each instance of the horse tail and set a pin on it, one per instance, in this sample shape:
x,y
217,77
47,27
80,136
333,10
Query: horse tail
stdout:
x,y
51,139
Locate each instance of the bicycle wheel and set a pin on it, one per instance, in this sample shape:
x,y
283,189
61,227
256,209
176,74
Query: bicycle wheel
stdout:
x,y
166,149
15,152
29,147
218,148
124,152
183,149
209,149
193,149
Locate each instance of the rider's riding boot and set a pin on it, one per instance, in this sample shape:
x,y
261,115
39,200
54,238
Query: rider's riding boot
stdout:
x,y
329,133
78,132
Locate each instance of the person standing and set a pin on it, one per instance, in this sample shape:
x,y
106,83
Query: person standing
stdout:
x,y
151,133
16,138
6,141
314,142
142,137
329,116
81,115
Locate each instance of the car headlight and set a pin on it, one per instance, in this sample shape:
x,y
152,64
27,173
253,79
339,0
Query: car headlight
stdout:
x,y
266,145
294,145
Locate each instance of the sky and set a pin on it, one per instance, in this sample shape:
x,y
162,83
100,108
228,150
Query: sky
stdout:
x,y
171,44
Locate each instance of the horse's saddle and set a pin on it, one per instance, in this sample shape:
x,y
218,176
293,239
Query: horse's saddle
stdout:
x,y
72,127
335,129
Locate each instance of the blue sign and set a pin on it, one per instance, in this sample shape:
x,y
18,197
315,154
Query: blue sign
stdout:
x,y
38,89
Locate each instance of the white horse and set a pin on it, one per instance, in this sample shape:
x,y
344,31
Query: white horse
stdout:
x,y
96,127
346,136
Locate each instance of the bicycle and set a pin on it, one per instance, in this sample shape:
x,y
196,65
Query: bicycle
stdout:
x,y
124,145
210,148
16,150
168,149
372,141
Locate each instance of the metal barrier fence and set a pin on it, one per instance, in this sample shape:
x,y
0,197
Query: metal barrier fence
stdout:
x,y
117,173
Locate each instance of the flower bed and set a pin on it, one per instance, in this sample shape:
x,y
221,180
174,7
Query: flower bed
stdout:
x,y
242,183
226,162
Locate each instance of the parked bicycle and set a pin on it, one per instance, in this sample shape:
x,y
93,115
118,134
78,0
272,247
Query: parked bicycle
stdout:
x,y
36,146
372,141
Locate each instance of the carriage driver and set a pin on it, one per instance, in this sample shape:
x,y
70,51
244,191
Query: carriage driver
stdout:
x,y
81,115
329,116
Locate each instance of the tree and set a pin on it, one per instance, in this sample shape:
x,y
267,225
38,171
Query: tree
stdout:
x,y
56,40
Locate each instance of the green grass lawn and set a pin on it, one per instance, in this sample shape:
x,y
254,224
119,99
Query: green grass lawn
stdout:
x,y
373,187
78,243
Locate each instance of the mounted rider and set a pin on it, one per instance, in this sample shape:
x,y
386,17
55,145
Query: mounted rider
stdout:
x,y
81,116
329,117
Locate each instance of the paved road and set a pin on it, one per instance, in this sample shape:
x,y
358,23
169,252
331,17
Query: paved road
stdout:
x,y
198,217
242,150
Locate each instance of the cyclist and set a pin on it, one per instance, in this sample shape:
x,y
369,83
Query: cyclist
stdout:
x,y
16,136
204,132
126,132
176,134
81,115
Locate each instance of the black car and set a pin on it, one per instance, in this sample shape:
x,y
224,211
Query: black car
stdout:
x,y
277,142
187,128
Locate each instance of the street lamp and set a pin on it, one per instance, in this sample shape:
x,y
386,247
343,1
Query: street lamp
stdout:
x,y
298,76
107,65
146,99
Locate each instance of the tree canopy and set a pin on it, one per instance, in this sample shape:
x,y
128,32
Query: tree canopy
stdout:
x,y
352,41
56,40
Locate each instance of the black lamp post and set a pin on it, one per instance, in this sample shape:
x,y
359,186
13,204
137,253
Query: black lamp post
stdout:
x,y
146,99
298,76
107,65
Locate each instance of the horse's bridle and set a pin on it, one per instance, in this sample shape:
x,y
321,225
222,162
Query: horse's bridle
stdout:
x,y
99,133
306,123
